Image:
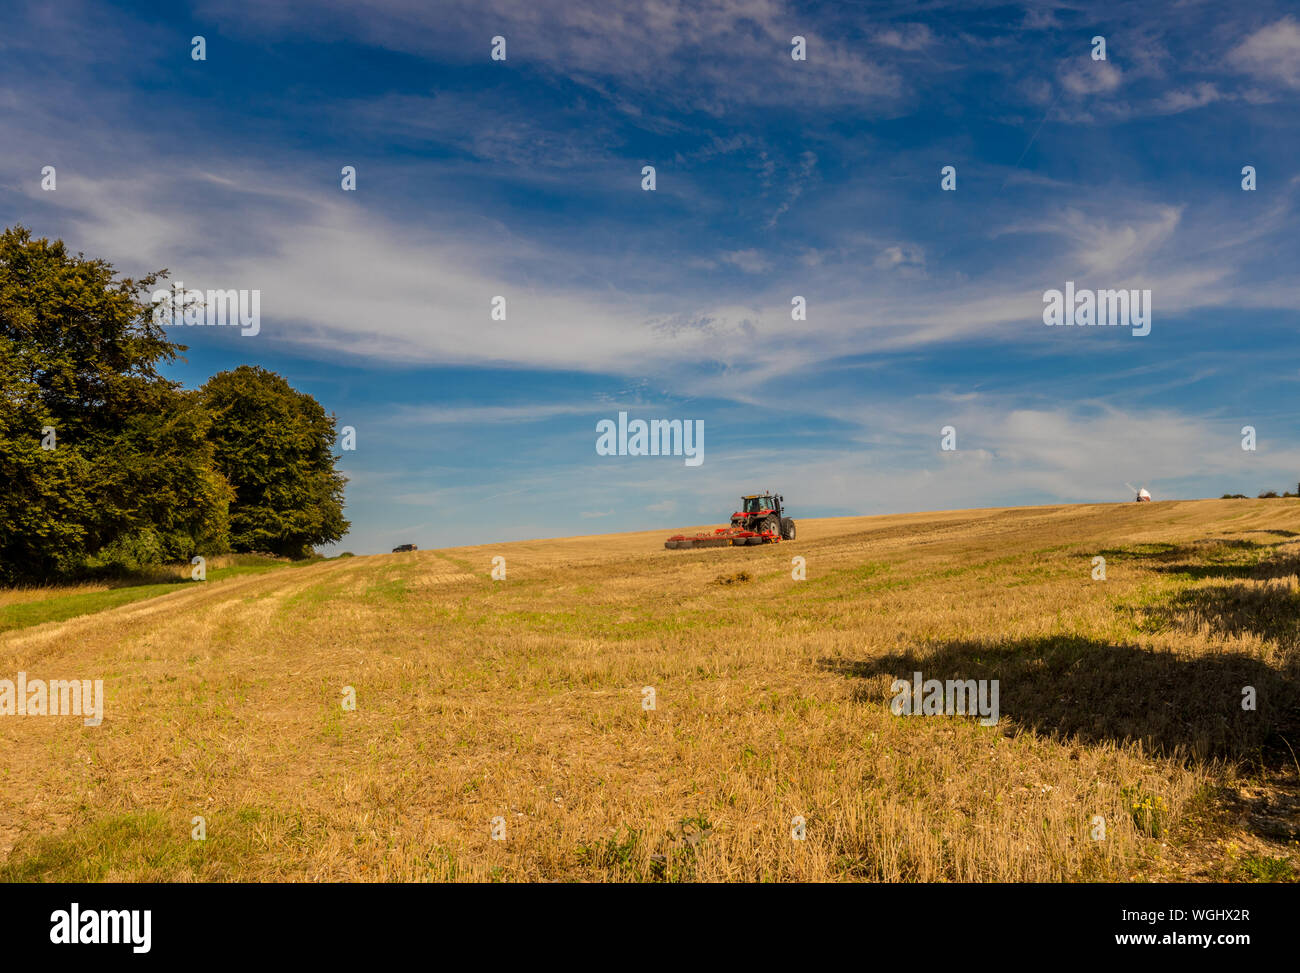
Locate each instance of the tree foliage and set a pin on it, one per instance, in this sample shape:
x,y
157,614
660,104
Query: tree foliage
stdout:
x,y
137,472
274,445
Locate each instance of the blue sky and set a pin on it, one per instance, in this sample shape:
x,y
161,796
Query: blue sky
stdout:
x,y
774,178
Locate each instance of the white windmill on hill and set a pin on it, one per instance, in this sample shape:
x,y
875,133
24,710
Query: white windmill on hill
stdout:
x,y
1140,494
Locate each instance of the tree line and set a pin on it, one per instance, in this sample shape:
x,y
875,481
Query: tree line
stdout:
x,y
106,465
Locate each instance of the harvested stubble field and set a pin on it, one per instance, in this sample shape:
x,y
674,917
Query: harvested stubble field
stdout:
x,y
522,699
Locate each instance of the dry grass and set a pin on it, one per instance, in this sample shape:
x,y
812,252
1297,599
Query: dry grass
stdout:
x,y
220,566
523,699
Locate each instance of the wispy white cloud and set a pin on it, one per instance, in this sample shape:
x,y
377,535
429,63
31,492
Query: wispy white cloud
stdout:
x,y
1006,455
798,182
751,261
906,37
1185,99
1083,76
706,53
439,415
1271,53
901,256
340,280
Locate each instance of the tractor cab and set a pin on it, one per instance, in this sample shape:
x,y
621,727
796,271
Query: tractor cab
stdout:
x,y
763,513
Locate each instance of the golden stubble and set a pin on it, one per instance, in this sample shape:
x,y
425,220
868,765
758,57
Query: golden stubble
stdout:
x,y
522,700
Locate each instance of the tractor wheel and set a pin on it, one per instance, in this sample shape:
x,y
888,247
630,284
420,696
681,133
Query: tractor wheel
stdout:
x,y
771,526
787,529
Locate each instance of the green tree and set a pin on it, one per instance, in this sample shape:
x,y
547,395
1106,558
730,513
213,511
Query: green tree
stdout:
x,y
131,466
43,530
274,445
171,510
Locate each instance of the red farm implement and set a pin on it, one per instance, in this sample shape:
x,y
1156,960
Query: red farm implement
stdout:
x,y
760,520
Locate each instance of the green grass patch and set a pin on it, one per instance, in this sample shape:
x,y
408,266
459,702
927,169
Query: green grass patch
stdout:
x,y
154,847
25,614
392,588
1259,868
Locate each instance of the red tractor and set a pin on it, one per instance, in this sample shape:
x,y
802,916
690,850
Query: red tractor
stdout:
x,y
762,513
760,520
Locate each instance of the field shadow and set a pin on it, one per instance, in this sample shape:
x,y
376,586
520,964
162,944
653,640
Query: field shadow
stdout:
x,y
1086,690
1227,559
113,582
1269,611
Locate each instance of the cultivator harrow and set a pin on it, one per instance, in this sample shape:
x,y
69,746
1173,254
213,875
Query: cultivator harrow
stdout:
x,y
722,537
